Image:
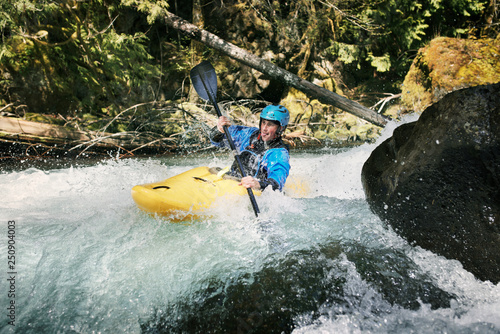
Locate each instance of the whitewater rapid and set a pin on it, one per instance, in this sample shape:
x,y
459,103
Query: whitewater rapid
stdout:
x,y
88,261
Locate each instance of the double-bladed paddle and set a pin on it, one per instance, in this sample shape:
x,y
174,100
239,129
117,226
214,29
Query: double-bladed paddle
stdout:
x,y
204,80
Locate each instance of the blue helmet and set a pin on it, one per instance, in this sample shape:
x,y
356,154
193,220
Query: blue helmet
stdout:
x,y
276,113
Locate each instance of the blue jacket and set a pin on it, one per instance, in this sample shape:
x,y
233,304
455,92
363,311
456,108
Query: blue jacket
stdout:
x,y
268,165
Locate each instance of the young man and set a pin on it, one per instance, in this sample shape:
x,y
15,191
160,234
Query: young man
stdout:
x,y
264,156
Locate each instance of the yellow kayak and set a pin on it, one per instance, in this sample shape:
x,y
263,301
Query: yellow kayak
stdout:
x,y
191,193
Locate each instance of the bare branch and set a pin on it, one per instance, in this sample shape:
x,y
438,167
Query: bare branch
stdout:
x,y
385,100
275,72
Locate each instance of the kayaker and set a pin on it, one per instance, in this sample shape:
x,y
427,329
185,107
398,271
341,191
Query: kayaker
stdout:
x,y
264,155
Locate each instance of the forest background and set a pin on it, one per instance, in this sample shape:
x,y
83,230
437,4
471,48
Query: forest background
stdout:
x,y
116,67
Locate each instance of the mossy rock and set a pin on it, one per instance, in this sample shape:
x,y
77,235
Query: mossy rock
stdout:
x,y
367,132
340,135
328,83
325,122
449,64
393,111
346,120
321,135
296,103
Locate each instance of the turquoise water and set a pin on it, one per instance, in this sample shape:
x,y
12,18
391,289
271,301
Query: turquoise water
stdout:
x,y
88,261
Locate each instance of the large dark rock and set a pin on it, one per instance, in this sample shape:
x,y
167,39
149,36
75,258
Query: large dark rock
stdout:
x,y
305,282
437,180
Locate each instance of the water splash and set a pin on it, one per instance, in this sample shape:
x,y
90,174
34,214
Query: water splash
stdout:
x,y
90,261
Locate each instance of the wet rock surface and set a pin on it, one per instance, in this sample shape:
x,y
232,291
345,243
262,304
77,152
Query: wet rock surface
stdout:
x,y
437,181
302,286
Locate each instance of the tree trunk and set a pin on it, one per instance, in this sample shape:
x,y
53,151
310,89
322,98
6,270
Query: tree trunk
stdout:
x,y
196,46
275,72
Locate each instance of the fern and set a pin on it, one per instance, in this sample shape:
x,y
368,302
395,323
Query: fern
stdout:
x,y
154,9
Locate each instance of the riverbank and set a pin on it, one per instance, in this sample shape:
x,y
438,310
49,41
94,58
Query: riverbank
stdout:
x,y
42,138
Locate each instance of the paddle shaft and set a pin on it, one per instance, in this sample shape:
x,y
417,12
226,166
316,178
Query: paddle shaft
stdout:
x,y
231,145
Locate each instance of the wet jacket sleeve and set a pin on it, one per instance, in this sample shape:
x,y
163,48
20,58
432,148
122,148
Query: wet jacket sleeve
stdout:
x,y
216,136
240,135
277,163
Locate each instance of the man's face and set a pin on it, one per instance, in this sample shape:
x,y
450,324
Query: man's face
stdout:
x,y
268,130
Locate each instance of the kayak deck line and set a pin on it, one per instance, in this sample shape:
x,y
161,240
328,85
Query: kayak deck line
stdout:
x,y
191,193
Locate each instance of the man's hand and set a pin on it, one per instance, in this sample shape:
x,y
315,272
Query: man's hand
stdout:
x,y
223,120
250,182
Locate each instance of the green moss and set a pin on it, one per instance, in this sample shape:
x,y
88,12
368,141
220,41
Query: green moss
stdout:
x,y
173,128
341,134
296,103
447,64
367,132
92,122
35,117
320,134
393,111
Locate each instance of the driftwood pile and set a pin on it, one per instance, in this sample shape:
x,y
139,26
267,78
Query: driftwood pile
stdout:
x,y
21,138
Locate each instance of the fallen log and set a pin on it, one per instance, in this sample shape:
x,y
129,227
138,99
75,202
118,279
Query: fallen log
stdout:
x,y
275,72
27,136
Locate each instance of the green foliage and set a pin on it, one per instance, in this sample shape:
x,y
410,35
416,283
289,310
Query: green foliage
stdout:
x,y
100,57
382,63
386,34
71,51
154,9
381,35
346,53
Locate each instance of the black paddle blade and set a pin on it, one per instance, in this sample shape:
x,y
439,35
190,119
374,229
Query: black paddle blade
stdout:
x,y
204,80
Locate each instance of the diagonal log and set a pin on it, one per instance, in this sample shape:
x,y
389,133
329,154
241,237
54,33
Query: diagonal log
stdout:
x,y
273,71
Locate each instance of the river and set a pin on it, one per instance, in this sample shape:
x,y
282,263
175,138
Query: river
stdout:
x,y
88,261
